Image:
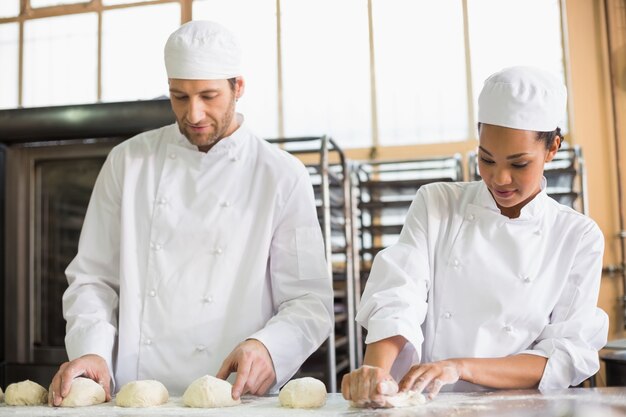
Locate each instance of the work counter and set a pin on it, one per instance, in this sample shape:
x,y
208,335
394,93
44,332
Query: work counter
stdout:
x,y
576,402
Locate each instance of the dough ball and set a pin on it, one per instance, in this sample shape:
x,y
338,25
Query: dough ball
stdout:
x,y
148,393
83,392
26,393
303,393
209,392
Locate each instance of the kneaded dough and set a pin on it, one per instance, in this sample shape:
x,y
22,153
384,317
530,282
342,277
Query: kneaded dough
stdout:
x,y
84,392
209,392
26,393
399,400
405,399
146,393
304,392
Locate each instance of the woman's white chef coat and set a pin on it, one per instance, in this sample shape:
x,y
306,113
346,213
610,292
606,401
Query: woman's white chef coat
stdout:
x,y
465,281
185,254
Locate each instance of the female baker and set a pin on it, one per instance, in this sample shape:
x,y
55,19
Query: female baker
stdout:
x,y
492,284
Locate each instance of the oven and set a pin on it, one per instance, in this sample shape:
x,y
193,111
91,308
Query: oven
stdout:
x,y
49,161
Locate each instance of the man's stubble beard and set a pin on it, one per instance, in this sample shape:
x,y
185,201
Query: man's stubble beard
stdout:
x,y
212,138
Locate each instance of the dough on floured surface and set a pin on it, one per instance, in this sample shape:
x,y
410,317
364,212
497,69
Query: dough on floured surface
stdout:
x,y
84,392
26,393
304,392
399,400
146,393
209,392
405,399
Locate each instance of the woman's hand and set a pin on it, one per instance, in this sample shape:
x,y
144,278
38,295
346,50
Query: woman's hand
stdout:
x,y
367,386
431,376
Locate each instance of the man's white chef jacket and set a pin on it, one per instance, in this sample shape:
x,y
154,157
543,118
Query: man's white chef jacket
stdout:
x,y
185,254
465,281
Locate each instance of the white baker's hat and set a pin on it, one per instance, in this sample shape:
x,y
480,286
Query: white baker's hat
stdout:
x,y
202,50
524,98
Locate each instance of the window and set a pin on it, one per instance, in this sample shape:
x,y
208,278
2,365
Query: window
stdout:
x,y
48,3
256,31
9,68
368,73
132,60
326,70
420,71
505,33
9,8
60,60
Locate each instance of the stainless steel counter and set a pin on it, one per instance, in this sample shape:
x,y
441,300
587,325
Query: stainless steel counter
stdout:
x,y
581,402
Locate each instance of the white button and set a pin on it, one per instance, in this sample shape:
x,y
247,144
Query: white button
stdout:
x,y
456,263
173,156
234,158
200,348
508,329
152,293
526,280
225,204
447,315
148,342
538,232
162,201
207,300
157,247
217,251
470,217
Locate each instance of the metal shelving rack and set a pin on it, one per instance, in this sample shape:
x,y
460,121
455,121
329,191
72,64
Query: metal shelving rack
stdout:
x,y
386,190
383,192
565,174
328,170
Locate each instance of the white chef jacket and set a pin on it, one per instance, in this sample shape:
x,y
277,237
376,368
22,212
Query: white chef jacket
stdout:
x,y
185,254
465,281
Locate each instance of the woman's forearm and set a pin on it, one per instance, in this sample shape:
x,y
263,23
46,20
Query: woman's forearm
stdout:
x,y
383,353
517,371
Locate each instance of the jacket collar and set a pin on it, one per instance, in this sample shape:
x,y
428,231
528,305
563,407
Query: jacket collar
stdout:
x,y
532,209
230,144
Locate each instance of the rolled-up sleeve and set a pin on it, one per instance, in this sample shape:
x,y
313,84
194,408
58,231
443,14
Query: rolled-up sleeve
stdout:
x,y
394,301
577,327
302,291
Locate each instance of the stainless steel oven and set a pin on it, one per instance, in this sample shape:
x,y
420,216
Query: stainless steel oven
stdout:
x,y
50,160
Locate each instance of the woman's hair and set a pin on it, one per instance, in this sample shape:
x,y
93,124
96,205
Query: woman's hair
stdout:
x,y
546,137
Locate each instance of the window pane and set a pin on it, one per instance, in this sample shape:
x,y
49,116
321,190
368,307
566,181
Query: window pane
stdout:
x,y
497,41
115,2
60,60
9,8
326,70
46,3
256,31
132,56
420,71
9,33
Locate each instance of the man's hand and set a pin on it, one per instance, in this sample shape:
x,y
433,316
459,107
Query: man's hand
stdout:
x,y
368,386
432,376
254,367
89,366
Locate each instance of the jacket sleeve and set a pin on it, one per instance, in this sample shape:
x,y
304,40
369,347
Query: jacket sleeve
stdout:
x,y
394,301
90,303
577,327
301,287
